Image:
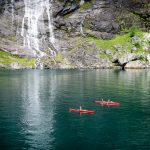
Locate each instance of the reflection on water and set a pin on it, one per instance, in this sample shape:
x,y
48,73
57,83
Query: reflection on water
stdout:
x,y
34,109
36,118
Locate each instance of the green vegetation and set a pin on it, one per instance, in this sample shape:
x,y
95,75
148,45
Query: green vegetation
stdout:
x,y
147,4
86,24
85,6
7,59
11,37
67,15
109,44
122,40
127,19
58,58
134,31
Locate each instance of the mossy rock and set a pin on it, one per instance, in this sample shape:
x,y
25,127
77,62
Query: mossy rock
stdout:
x,y
86,5
7,59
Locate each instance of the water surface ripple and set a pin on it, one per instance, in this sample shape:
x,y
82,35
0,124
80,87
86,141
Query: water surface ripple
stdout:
x,y
34,108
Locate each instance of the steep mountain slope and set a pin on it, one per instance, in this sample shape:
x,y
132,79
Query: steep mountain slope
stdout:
x,y
88,33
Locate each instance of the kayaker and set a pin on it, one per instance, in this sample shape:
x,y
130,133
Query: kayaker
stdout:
x,y
80,107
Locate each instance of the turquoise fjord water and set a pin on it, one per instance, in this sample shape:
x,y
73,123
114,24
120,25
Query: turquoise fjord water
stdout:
x,y
34,108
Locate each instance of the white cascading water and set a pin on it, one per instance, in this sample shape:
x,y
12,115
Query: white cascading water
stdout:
x,y
10,4
12,11
81,25
34,11
81,2
81,28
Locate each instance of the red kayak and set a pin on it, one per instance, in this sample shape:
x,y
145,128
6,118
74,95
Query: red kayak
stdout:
x,y
82,111
107,103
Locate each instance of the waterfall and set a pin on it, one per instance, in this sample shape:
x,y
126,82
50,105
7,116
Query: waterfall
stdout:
x,y
81,27
12,11
33,20
9,7
81,2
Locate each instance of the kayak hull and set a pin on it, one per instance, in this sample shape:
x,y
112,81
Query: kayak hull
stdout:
x,y
82,111
107,103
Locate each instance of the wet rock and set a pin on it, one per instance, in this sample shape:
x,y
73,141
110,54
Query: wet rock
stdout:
x,y
109,52
99,35
115,59
10,46
134,49
15,65
135,65
136,39
3,66
118,47
148,58
103,64
106,36
127,58
102,26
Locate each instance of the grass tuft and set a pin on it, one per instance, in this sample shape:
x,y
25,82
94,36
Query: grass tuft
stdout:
x,y
7,59
86,5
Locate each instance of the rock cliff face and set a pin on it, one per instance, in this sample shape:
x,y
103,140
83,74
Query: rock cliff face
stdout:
x,y
84,31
